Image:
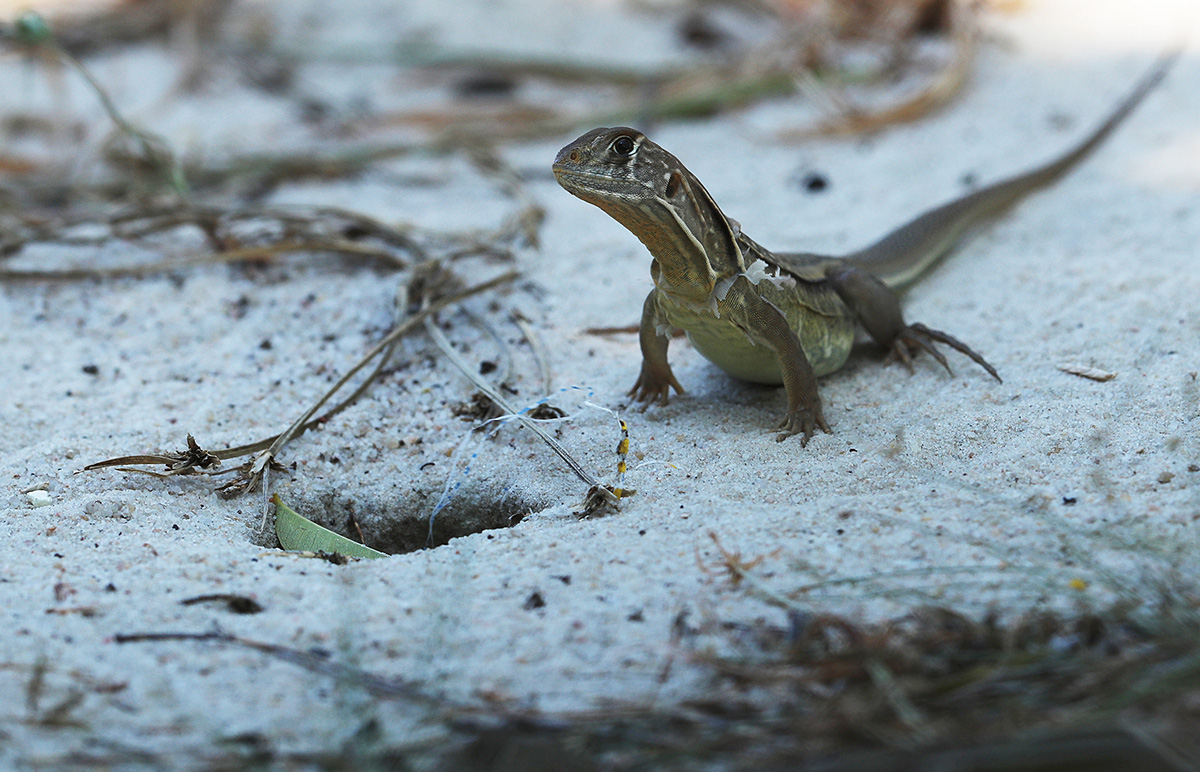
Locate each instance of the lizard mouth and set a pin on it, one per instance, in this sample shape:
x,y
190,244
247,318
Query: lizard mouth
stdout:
x,y
576,180
562,170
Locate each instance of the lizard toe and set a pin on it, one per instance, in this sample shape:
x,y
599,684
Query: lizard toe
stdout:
x,y
649,389
803,422
918,337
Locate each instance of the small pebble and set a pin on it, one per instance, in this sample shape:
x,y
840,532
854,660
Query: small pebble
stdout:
x,y
39,498
814,182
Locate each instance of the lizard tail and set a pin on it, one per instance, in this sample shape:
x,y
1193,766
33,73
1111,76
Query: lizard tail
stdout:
x,y
900,257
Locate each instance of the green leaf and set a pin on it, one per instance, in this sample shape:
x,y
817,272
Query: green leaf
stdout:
x,y
32,29
298,533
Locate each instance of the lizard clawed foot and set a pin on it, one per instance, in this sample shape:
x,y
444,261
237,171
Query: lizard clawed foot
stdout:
x,y
654,386
919,337
804,422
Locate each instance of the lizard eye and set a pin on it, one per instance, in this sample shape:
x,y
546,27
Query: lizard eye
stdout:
x,y
622,145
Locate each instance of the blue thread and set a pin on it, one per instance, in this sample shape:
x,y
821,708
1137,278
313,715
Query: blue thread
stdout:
x,y
453,485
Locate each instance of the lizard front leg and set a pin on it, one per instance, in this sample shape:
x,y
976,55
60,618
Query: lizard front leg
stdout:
x,y
767,326
877,308
656,380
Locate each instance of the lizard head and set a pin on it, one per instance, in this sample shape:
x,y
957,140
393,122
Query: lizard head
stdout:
x,y
651,193
616,169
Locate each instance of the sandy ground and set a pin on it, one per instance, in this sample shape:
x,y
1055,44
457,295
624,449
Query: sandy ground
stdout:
x,y
957,490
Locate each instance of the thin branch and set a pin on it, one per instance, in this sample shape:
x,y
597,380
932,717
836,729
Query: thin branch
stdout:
x,y
483,385
259,466
270,447
260,253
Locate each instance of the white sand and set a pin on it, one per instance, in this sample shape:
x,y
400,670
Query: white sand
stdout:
x,y
922,472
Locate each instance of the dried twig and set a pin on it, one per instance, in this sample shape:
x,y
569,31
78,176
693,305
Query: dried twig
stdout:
x,y
483,385
955,692
598,495
250,474
852,119
1091,373
31,31
535,345
188,462
379,686
253,472
243,254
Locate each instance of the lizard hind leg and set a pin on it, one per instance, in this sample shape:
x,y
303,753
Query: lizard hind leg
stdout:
x,y
877,308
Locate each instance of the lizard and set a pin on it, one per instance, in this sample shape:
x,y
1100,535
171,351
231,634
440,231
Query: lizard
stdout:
x,y
774,317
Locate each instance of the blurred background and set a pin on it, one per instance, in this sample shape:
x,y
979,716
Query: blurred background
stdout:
x,y
106,100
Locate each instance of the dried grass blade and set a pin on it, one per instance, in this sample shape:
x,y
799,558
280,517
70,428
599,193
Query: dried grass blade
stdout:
x,y
483,385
